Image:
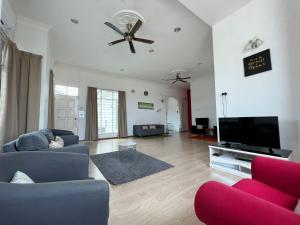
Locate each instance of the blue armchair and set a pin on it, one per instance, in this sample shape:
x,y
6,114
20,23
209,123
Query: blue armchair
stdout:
x,y
39,141
63,193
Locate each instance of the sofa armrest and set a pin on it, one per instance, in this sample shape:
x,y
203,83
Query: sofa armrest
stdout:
x,y
218,204
79,148
280,174
46,166
70,139
74,202
57,132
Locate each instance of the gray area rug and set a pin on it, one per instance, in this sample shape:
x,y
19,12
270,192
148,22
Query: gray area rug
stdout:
x,y
125,166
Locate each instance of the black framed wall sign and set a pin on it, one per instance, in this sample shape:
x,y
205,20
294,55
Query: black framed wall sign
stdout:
x,y
258,63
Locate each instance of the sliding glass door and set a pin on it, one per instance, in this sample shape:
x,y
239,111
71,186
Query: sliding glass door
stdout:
x,y
107,103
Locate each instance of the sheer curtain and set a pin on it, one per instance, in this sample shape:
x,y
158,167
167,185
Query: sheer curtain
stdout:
x,y
122,115
91,129
20,92
51,101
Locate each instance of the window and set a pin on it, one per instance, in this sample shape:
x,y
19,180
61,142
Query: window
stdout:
x,y
64,90
107,107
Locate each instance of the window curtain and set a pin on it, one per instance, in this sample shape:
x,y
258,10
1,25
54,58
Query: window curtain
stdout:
x,y
51,101
20,92
183,114
91,129
122,115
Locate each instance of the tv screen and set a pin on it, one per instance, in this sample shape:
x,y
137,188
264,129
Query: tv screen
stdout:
x,y
254,131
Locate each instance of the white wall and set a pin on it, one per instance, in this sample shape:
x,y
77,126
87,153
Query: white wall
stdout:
x,y
265,94
82,78
203,99
32,36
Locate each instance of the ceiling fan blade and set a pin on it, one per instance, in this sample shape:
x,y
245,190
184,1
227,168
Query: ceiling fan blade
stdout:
x,y
183,81
114,28
116,42
186,78
170,79
135,28
131,47
143,40
174,82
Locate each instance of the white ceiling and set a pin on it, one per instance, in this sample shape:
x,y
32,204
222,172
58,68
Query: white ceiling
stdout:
x,y
213,11
86,44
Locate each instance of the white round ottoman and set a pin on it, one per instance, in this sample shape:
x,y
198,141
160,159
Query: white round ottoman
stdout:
x,y
127,145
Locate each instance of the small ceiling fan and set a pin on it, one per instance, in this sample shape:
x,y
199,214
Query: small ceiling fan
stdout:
x,y
178,78
129,35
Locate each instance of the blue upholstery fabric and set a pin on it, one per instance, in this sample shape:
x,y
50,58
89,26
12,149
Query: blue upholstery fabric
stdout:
x,y
61,132
34,141
10,146
48,133
70,139
37,141
62,195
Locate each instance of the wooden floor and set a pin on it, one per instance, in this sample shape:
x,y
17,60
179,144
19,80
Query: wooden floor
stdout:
x,y
165,198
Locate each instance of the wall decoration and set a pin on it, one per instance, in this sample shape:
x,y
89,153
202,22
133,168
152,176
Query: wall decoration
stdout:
x,y
145,105
146,93
258,63
253,44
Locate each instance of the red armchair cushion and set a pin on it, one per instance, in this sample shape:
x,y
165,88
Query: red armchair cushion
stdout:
x,y
267,193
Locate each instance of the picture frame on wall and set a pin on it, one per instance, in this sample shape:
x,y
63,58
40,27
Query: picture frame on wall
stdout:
x,y
258,63
145,105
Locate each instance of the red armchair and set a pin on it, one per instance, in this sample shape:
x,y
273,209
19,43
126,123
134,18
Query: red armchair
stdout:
x,y
270,197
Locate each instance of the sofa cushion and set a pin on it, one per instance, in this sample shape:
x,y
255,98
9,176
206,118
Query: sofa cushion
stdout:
x,y
32,142
48,133
267,193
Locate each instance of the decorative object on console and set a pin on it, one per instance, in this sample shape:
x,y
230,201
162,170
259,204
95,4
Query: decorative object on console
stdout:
x,y
145,105
258,63
253,44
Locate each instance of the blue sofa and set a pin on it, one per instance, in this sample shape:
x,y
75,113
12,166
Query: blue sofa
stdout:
x,y
148,130
39,141
62,193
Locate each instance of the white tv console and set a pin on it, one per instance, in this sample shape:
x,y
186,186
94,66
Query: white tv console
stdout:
x,y
225,159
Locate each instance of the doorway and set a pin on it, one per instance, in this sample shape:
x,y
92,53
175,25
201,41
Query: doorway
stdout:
x,y
66,108
173,115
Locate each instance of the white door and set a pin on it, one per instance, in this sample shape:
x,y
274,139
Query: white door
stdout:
x,y
66,113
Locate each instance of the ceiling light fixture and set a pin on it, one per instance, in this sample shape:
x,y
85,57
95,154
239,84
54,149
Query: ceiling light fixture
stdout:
x,y
122,70
177,29
75,21
151,50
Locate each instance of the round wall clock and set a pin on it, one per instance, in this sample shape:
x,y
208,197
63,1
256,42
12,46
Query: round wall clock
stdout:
x,y
146,93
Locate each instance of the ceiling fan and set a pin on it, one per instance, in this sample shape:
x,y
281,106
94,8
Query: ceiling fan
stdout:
x,y
129,35
178,78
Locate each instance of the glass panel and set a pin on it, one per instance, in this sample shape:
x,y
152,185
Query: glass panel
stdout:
x,y
107,106
64,90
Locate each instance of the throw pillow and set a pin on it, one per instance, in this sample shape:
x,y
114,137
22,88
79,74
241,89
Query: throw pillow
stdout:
x,y
48,133
21,178
297,209
152,127
145,127
34,141
58,143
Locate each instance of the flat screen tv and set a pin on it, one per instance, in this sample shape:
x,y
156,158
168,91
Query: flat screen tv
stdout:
x,y
253,131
